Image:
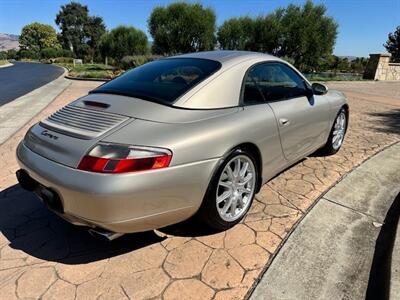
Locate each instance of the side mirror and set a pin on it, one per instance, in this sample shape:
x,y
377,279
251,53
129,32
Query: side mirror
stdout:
x,y
319,89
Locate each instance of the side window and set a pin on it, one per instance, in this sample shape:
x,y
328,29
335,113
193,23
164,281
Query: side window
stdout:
x,y
252,94
278,81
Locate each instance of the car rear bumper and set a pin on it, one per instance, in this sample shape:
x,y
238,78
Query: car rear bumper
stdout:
x,y
123,203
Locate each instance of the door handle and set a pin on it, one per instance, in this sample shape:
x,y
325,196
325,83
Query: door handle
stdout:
x,y
284,122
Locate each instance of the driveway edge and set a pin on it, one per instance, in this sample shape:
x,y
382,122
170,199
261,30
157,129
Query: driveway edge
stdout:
x,y
6,65
334,259
15,114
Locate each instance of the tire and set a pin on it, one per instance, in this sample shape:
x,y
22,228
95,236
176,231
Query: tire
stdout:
x,y
333,146
232,189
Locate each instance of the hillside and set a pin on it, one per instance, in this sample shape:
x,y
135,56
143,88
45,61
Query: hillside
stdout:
x,y
8,41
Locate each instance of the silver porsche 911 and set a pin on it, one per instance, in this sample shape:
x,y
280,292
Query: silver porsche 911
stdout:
x,y
195,133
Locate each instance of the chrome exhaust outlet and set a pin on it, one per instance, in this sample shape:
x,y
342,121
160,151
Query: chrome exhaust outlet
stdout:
x,y
104,235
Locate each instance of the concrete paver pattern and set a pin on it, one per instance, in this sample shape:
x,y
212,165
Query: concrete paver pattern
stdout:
x,y
43,256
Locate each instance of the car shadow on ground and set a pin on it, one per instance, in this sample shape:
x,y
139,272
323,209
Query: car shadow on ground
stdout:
x,y
387,121
382,265
192,227
32,228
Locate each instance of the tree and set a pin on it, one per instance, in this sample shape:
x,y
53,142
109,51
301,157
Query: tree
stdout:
x,y
262,34
267,35
236,34
393,44
80,32
37,36
123,41
71,19
182,27
308,35
303,33
358,65
94,30
343,64
27,54
335,62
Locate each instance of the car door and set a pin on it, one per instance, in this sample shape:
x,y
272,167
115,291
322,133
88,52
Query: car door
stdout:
x,y
264,131
301,116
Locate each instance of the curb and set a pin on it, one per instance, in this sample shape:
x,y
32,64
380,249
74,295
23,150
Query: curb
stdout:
x,y
330,251
293,228
15,114
87,79
6,65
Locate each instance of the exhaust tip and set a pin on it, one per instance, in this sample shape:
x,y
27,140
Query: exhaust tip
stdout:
x,y
104,235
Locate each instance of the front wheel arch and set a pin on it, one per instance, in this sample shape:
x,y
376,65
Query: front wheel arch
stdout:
x,y
328,148
346,108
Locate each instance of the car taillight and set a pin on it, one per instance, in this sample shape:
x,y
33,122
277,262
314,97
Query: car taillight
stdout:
x,y
116,158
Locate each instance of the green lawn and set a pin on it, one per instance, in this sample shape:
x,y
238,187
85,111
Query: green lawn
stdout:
x,y
3,62
334,78
331,76
92,71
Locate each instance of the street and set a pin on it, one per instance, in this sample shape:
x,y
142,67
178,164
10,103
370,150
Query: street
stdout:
x,y
24,77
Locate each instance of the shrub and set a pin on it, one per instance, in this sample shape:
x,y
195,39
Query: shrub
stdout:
x,y
49,53
63,60
111,61
12,54
93,67
3,55
129,62
27,54
65,53
94,74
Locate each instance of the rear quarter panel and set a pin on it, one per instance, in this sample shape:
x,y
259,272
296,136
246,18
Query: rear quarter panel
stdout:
x,y
212,138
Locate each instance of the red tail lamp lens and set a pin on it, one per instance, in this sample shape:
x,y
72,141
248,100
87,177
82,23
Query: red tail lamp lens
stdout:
x,y
110,158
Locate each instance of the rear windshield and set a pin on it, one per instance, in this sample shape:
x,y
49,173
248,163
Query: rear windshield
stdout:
x,y
161,81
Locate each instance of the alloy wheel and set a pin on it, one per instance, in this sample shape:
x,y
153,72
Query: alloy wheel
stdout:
x,y
236,188
339,131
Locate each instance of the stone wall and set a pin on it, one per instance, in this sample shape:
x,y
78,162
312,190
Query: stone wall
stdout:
x,y
380,68
393,72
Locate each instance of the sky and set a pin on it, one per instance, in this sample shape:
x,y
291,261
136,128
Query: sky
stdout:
x,y
363,24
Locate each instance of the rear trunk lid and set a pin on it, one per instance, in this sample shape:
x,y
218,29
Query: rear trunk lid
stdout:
x,y
149,111
68,134
62,144
82,122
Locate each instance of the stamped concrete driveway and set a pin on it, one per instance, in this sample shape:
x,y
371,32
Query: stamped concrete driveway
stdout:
x,y
24,77
41,256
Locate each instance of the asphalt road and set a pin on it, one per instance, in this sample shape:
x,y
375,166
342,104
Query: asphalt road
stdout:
x,y
24,77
